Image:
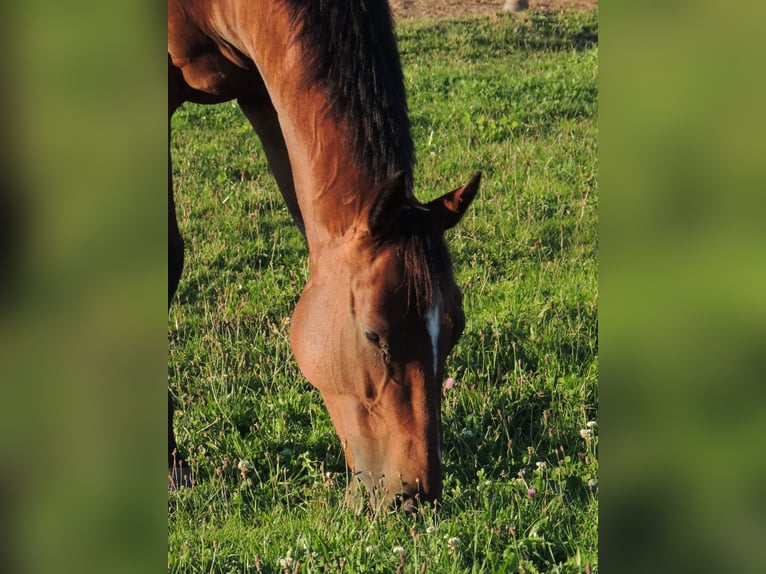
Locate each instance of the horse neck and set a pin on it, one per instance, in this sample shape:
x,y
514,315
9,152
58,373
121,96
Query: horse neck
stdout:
x,y
332,187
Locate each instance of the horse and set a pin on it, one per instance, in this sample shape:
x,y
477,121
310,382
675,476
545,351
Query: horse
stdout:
x,y
321,83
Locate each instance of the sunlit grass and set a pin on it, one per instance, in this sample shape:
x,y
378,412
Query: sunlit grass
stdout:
x,y
514,97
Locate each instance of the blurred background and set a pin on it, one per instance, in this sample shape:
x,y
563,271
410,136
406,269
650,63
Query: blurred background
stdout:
x,y
82,275
681,274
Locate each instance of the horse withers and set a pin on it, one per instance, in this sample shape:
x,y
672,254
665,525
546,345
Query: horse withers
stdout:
x,y
321,83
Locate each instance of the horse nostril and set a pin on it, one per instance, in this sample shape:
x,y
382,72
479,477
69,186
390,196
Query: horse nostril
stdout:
x,y
406,502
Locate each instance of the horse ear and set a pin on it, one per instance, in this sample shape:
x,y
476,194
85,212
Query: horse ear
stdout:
x,y
390,199
450,207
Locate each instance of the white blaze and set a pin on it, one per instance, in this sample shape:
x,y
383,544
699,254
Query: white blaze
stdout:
x,y
433,317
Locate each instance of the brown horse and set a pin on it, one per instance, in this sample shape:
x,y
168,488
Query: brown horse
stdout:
x,y
321,83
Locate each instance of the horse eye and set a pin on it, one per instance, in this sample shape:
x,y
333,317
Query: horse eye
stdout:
x,y
372,338
375,339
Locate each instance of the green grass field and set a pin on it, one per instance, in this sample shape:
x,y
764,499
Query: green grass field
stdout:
x,y
514,97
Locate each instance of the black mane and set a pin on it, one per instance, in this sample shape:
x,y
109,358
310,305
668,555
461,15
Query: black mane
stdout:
x,y
353,54
424,254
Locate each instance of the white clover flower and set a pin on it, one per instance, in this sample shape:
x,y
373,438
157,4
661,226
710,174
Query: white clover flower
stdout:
x,y
541,465
587,434
398,550
285,562
454,544
591,424
245,466
431,529
370,549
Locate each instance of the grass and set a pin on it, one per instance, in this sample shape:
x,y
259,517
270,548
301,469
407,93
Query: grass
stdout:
x,y
516,97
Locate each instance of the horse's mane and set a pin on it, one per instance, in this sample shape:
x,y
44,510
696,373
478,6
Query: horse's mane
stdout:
x,y
424,254
352,53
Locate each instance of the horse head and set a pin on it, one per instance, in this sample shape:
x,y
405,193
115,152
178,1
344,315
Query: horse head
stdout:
x,y
372,330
